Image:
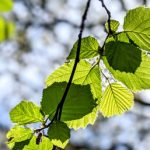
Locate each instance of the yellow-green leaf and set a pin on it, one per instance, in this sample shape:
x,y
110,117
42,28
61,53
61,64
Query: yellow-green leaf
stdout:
x,y
116,100
44,144
84,121
6,5
6,29
85,74
89,48
137,26
114,24
18,134
26,112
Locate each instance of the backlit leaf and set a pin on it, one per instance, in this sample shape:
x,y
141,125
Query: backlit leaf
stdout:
x,y
89,48
45,144
6,29
6,5
116,100
26,112
85,74
137,26
18,134
114,24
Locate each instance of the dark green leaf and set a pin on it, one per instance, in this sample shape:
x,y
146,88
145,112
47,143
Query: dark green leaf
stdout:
x,y
18,145
79,101
123,56
59,134
137,78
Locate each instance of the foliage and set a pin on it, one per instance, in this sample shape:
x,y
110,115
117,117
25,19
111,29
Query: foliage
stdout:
x,y
6,5
6,27
73,94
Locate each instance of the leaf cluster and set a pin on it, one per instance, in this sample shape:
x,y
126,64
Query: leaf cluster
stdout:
x,y
124,54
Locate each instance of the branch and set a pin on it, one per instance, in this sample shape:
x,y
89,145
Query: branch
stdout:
x,y
60,105
101,50
58,113
145,2
123,5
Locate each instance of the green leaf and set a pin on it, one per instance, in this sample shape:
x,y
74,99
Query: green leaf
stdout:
x,y
18,145
26,112
137,26
116,100
6,29
6,5
85,74
137,78
123,56
45,144
89,48
114,24
84,121
18,134
79,101
59,134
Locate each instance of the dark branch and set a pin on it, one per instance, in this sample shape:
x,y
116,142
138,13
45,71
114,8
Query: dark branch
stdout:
x,y
60,106
123,5
58,113
145,2
101,50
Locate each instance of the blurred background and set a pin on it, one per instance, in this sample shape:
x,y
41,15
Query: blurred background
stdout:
x,y
45,31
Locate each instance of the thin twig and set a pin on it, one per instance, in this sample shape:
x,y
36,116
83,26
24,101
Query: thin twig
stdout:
x,y
101,50
145,2
109,16
123,5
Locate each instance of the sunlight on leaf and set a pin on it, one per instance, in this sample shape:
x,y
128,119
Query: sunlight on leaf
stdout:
x,y
45,144
18,134
137,26
6,5
114,24
116,100
89,48
26,112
